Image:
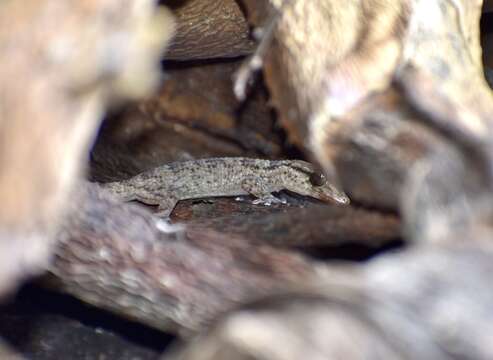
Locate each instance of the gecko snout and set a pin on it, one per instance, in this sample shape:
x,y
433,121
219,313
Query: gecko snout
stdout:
x,y
326,191
333,195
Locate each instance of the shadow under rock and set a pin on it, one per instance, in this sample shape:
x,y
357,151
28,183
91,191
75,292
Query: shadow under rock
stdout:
x,y
46,325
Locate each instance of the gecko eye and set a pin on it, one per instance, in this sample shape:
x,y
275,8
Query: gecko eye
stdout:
x,y
317,179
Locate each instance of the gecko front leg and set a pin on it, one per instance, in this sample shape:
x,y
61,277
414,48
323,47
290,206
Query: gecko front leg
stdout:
x,y
263,195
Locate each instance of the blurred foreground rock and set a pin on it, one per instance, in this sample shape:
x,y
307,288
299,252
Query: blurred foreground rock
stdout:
x,y
416,305
62,64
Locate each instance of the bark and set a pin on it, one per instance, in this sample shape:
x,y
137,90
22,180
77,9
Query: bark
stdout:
x,y
208,30
313,226
114,256
416,305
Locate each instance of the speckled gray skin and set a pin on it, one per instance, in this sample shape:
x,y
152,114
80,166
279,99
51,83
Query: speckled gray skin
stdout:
x,y
168,184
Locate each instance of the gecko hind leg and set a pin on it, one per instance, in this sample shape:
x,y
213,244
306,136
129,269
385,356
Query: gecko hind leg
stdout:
x,y
165,208
165,205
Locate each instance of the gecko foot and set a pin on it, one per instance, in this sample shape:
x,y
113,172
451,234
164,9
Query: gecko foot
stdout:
x,y
268,200
163,214
170,229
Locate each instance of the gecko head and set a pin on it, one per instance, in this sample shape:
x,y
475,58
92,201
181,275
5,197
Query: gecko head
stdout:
x,y
312,182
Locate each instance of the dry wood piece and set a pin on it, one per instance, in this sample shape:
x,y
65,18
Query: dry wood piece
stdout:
x,y
296,326
352,62
441,180
376,145
458,181
201,97
121,258
306,70
401,61
429,303
61,64
311,92
314,226
209,29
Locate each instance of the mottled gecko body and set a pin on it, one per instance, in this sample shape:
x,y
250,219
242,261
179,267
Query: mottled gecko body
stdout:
x,y
168,184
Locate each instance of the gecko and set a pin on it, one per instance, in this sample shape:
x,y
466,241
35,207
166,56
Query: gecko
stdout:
x,y
214,177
